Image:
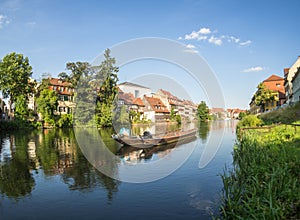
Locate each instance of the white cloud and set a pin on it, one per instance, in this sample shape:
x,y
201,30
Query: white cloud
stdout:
x,y
215,40
3,21
190,46
204,31
198,35
245,43
211,36
234,39
253,69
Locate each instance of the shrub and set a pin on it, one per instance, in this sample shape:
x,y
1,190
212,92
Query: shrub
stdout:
x,y
250,121
65,121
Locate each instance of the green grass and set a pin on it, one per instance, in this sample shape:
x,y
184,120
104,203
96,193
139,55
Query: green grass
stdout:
x,y
264,182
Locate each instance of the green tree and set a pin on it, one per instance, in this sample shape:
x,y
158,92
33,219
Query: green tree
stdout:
x,y
107,76
264,95
202,111
121,115
21,109
82,77
47,103
15,73
174,116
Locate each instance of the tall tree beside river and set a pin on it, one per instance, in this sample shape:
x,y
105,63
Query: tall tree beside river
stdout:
x,y
107,74
15,82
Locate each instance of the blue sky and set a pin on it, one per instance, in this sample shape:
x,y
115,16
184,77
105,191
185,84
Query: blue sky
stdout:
x,y
243,42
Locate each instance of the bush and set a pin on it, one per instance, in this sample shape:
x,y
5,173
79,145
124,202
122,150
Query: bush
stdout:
x,y
250,121
65,121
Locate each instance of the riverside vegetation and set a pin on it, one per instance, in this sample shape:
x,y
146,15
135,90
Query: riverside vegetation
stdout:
x,y
264,180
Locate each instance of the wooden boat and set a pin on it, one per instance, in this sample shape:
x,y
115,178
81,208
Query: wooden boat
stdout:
x,y
148,140
132,153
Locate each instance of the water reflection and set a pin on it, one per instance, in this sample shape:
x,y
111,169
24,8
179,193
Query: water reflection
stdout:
x,y
52,153
47,170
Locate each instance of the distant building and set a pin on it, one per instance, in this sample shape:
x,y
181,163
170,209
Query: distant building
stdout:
x,y
234,113
218,113
132,103
186,109
138,91
276,85
296,86
65,93
155,110
289,74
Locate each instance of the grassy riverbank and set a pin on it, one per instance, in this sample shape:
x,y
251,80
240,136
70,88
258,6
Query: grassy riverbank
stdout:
x,y
264,182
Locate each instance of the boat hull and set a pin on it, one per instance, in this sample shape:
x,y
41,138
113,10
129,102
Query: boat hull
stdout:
x,y
145,142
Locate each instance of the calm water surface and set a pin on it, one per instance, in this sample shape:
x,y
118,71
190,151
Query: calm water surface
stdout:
x,y
44,175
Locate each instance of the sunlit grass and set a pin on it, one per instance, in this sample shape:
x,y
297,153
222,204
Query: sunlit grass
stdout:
x,y
264,182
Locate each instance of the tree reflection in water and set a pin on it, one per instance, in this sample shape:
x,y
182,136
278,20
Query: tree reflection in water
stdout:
x,y
16,177
54,152
203,129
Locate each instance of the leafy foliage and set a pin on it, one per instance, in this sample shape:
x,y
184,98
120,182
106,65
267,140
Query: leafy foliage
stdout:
x,y
65,121
174,116
202,111
47,103
250,121
264,95
107,74
15,73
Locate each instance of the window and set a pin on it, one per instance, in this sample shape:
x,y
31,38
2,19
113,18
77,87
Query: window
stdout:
x,y
136,93
278,84
61,89
54,88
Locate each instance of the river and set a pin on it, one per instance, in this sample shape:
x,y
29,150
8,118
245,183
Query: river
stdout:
x,y
46,175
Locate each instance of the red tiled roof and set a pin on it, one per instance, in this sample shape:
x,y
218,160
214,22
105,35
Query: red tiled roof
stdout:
x,y
67,90
59,82
275,83
157,105
127,97
216,110
138,102
273,78
170,95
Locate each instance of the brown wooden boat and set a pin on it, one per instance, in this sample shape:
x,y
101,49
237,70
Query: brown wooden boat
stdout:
x,y
148,140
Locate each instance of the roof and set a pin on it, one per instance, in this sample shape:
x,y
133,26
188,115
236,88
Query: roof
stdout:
x,y
216,110
64,86
156,104
132,84
275,83
273,78
59,82
127,97
286,71
138,102
169,95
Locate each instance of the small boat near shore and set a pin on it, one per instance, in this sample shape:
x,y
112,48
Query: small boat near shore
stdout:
x,y
149,140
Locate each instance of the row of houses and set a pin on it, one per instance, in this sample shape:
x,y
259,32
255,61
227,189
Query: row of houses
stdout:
x,y
154,106
286,89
